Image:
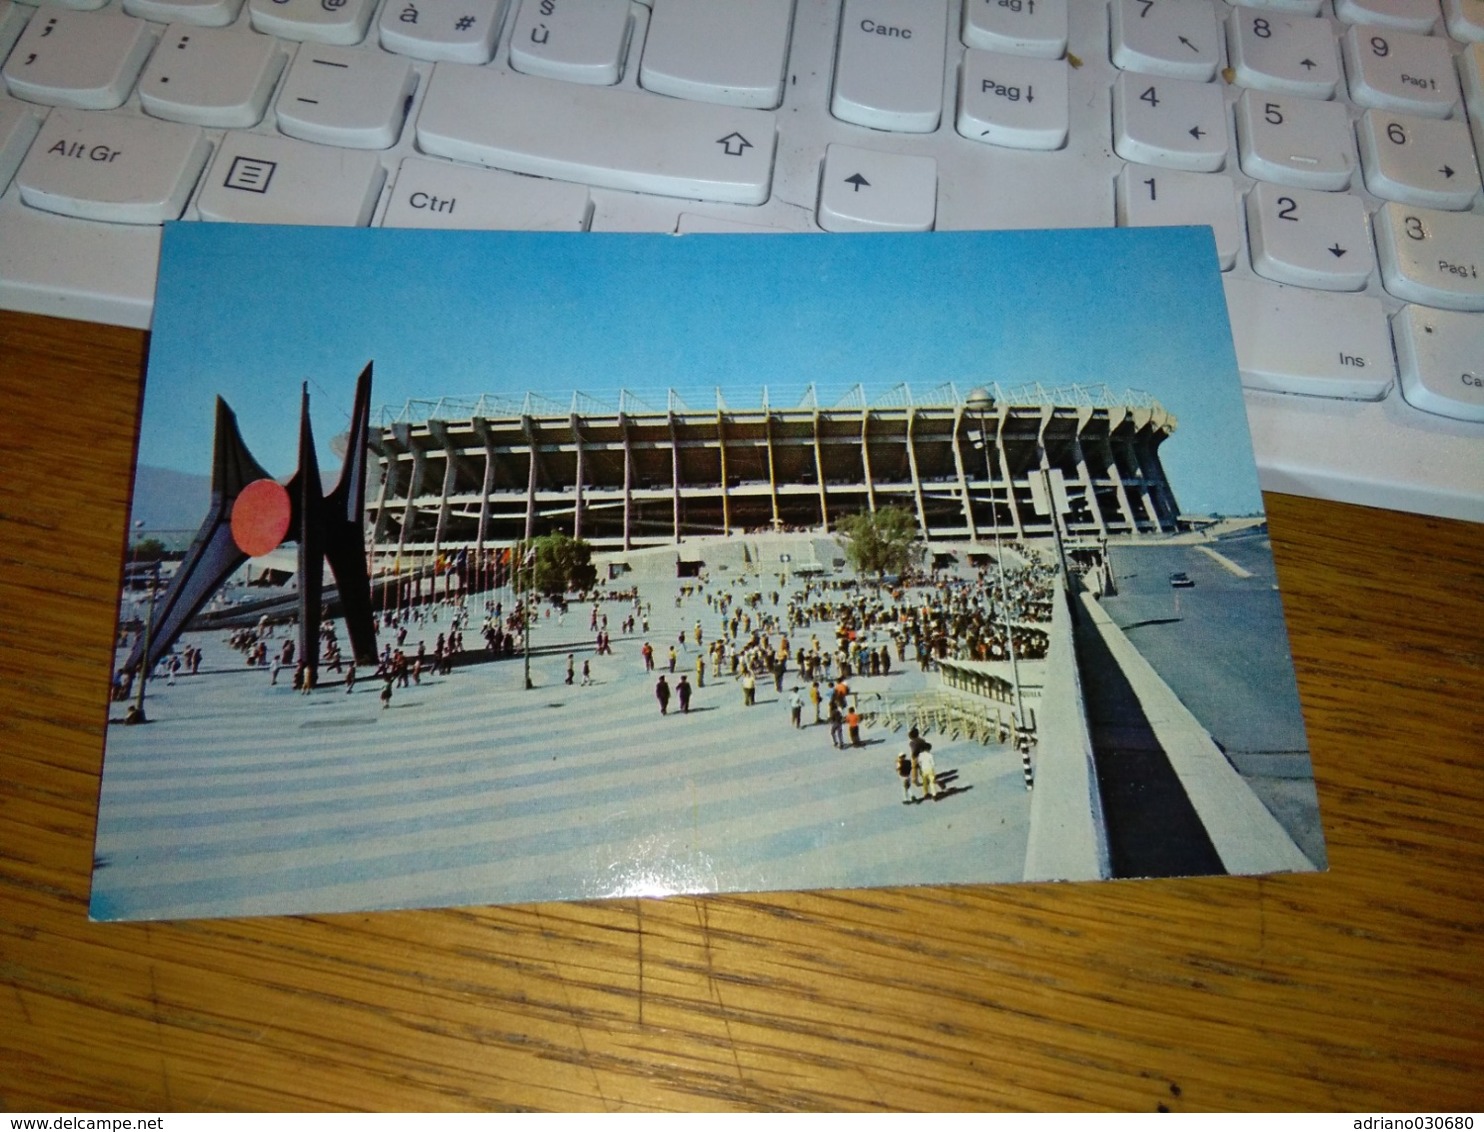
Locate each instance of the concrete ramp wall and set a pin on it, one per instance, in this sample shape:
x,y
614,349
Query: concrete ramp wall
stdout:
x,y
1068,840
730,557
1244,833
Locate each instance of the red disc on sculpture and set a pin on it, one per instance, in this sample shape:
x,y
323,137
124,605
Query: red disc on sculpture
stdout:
x,y
260,517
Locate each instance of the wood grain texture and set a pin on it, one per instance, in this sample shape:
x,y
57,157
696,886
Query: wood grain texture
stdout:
x,y
1359,988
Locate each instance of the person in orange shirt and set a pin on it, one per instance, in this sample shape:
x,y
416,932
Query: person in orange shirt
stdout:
x,y
853,725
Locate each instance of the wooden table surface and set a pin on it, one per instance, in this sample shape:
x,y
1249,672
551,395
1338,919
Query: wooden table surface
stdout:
x,y
1361,988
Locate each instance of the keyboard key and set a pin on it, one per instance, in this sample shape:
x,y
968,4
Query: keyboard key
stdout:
x,y
12,23
616,139
1310,342
1298,7
263,179
1013,100
1171,122
1283,54
733,54
211,76
202,13
18,126
1432,257
341,22
1165,198
355,99
1404,15
1177,38
1465,19
1308,238
864,190
435,194
461,31
104,167
86,60
1471,81
889,65
1295,141
1421,161
577,41
1440,360
1394,70
1038,29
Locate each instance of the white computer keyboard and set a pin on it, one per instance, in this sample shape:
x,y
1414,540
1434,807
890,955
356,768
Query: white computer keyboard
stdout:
x,y
1328,143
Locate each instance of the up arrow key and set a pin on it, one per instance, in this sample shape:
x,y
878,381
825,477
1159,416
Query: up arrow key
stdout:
x,y
734,143
903,196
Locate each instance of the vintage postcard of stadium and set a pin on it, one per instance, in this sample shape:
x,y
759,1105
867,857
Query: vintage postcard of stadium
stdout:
x,y
472,568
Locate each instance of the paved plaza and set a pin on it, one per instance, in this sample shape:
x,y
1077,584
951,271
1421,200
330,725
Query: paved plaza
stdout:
x,y
242,796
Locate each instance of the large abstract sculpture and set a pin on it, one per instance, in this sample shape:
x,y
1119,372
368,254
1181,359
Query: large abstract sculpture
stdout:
x,y
251,514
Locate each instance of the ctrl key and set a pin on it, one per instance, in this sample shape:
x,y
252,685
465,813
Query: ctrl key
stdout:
x,y
123,170
1440,356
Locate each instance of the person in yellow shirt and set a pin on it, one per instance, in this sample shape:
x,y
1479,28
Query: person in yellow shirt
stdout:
x,y
929,771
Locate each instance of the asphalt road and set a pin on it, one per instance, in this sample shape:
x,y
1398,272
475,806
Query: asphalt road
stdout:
x,y
1221,644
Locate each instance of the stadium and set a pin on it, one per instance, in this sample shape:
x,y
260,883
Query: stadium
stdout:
x,y
1025,463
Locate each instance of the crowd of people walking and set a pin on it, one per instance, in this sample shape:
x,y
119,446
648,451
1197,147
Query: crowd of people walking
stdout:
x,y
802,643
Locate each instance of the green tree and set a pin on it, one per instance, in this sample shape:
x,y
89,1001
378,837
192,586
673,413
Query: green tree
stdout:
x,y
555,564
149,549
881,542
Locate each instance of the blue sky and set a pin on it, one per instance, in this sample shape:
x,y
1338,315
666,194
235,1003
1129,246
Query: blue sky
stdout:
x,y
250,313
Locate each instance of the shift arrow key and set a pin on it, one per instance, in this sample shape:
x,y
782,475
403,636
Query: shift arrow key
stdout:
x,y
615,139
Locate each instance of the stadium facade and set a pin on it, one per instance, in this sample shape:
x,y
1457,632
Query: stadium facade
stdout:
x,y
487,472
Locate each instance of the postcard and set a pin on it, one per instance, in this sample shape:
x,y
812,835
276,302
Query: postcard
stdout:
x,y
479,567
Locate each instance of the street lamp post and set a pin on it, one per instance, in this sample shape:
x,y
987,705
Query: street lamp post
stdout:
x,y
528,622
1056,515
134,572
144,665
982,402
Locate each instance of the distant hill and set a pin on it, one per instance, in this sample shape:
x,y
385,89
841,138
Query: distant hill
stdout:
x,y
169,505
